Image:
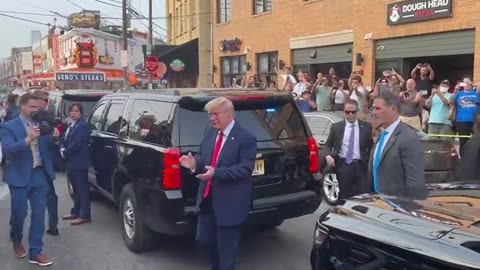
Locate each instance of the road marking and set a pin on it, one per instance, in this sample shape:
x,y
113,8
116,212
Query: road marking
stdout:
x,y
4,192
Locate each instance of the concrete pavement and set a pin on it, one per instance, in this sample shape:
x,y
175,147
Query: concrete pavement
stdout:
x,y
99,245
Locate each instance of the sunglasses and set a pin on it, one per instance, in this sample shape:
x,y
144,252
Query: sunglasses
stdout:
x,y
350,112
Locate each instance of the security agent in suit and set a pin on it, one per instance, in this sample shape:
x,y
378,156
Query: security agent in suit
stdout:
x,y
75,151
224,166
29,170
52,198
348,150
396,165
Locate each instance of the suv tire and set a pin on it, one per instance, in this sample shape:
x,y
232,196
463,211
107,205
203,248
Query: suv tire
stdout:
x,y
94,193
136,235
330,186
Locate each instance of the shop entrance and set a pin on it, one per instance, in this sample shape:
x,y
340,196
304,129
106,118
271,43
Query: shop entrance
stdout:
x,y
451,67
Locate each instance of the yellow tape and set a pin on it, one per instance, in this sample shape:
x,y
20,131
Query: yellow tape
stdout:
x,y
449,136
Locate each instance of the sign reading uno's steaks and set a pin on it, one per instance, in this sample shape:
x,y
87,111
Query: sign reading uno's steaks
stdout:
x,y
418,10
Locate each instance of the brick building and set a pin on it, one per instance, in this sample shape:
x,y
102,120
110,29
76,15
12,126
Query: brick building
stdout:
x,y
264,36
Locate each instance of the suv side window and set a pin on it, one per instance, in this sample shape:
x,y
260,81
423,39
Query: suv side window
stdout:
x,y
96,118
114,121
151,122
53,105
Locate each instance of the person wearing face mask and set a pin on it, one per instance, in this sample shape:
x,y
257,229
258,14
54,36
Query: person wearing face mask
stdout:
x,y
438,102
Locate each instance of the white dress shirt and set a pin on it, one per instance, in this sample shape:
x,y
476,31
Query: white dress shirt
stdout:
x,y
390,129
226,132
346,140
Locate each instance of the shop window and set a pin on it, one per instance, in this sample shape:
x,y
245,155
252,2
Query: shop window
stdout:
x,y
267,67
233,67
260,6
224,11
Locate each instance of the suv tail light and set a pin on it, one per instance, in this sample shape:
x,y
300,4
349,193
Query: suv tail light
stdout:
x,y
171,169
313,149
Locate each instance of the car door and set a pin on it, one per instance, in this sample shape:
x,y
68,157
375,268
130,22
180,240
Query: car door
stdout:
x,y
104,144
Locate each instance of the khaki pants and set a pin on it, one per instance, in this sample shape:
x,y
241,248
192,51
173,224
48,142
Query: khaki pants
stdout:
x,y
413,121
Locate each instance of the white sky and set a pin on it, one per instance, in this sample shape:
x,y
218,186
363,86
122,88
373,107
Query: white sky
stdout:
x,y
16,33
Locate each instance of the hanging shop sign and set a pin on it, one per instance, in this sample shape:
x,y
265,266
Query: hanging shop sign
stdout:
x,y
86,54
232,45
177,65
417,11
84,77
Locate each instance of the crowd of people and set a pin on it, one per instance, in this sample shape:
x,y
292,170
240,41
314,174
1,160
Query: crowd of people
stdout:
x,y
444,110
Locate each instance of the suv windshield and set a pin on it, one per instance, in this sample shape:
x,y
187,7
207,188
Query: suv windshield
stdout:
x,y
267,124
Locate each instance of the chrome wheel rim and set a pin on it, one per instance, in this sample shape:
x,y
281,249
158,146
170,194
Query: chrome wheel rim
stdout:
x,y
331,187
129,218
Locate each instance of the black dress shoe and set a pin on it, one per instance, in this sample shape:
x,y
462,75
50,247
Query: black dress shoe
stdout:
x,y
53,231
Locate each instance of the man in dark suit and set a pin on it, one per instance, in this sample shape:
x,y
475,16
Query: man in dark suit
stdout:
x,y
29,170
224,165
348,150
397,165
469,169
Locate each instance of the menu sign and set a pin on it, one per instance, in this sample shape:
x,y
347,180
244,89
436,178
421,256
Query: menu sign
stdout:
x,y
418,10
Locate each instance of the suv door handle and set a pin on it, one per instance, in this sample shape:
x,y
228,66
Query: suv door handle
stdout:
x,y
108,147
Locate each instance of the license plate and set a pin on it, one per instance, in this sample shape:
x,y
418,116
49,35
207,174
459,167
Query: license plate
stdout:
x,y
259,167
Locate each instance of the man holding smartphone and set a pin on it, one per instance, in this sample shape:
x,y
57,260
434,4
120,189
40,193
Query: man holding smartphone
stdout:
x,y
29,171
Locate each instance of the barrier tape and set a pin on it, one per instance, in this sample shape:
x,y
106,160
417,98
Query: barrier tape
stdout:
x,y
449,135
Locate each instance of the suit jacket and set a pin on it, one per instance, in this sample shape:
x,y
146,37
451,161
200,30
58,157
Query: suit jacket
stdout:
x,y
469,169
76,146
19,160
401,171
333,146
231,190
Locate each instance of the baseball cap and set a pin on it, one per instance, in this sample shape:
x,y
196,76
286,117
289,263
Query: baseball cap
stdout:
x,y
447,82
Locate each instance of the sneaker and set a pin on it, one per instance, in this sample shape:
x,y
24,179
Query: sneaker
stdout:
x,y
19,250
41,260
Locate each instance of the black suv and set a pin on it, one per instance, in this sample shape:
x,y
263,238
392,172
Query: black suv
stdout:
x,y
60,101
138,138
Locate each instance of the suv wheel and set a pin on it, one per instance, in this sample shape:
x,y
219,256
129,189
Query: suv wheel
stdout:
x,y
136,235
330,187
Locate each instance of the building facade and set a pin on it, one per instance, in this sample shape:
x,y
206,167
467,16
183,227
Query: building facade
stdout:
x,y
264,37
189,38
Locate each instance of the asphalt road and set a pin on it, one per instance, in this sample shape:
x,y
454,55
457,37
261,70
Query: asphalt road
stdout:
x,y
99,245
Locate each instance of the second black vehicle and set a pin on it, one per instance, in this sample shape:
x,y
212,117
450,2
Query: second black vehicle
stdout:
x,y
138,138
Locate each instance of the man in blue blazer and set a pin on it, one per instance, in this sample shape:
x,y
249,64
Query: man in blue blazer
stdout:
x,y
224,166
29,169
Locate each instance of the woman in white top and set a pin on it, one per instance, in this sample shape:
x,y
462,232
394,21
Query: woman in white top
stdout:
x,y
340,95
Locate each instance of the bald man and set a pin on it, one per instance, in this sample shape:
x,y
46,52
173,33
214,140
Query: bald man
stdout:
x,y
411,105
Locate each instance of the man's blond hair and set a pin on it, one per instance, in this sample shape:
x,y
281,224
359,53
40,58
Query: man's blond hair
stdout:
x,y
226,104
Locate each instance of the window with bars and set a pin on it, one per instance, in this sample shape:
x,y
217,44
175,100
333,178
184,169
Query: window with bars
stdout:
x,y
224,11
233,67
260,6
267,67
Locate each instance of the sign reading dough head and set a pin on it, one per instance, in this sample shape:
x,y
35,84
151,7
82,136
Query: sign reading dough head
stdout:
x,y
86,53
418,10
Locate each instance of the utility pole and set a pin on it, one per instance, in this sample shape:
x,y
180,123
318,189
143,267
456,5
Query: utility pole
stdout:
x,y
150,36
125,40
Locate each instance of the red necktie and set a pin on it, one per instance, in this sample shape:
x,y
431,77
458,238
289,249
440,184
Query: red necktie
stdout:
x,y
216,152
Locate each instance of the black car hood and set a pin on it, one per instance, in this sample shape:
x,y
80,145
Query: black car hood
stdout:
x,y
448,206
449,218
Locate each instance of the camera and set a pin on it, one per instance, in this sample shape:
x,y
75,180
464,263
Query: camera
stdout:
x,y
45,121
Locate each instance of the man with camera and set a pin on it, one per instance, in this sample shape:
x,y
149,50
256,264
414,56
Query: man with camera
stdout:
x,y
424,83
29,171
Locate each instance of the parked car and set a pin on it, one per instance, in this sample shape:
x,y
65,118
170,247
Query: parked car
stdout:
x,y
138,138
60,100
441,159
373,231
